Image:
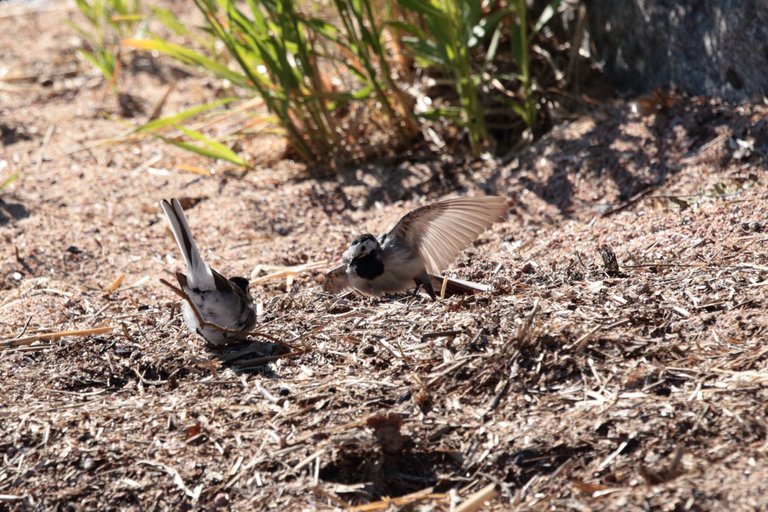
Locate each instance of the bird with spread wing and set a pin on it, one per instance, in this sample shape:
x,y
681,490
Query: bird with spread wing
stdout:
x,y
420,246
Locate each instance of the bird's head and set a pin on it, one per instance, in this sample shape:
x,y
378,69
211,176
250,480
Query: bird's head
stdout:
x,y
362,246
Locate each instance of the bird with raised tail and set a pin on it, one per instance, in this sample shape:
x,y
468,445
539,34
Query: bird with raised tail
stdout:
x,y
420,246
224,305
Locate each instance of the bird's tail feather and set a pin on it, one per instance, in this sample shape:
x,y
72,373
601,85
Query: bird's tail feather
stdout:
x,y
199,275
455,286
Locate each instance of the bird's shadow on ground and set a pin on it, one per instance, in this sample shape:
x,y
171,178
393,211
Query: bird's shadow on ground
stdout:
x,y
251,357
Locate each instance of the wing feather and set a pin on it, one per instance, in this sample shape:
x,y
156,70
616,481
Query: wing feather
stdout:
x,y
440,231
336,280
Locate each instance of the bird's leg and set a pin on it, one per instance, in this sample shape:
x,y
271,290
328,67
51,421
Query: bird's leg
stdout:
x,y
426,282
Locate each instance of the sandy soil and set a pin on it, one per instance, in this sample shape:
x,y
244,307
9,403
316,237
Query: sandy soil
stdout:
x,y
575,385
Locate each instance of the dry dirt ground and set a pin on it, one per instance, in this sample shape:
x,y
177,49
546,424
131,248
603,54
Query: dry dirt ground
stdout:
x,y
574,385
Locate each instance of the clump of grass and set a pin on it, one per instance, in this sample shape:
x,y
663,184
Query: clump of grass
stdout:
x,y
334,82
108,21
444,37
463,38
298,65
520,47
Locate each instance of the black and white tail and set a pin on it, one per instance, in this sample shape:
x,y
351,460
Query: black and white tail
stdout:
x,y
199,275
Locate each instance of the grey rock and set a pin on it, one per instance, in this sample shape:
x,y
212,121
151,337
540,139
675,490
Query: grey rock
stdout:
x,y
704,47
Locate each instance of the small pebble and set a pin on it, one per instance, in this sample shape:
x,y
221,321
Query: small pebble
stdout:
x,y
221,501
281,230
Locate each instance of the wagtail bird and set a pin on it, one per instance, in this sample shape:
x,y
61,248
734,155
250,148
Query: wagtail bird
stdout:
x,y
421,245
223,302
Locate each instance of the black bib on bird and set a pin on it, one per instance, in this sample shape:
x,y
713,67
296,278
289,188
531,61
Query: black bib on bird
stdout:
x,y
369,266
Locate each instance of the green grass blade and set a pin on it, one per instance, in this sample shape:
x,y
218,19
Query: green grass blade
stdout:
x,y
493,47
208,147
104,63
188,56
546,15
203,151
436,114
176,119
426,8
170,20
10,179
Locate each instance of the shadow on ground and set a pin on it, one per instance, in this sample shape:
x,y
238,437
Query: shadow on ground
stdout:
x,y
12,211
630,153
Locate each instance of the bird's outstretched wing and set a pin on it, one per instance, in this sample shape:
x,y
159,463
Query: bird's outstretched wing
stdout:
x,y
336,280
440,231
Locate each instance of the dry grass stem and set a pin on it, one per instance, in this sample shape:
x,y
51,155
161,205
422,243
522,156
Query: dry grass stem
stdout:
x,y
478,500
53,336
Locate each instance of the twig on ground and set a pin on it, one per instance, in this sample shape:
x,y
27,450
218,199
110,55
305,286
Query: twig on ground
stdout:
x,y
194,494
24,329
439,334
525,330
281,272
478,500
52,336
408,499
44,147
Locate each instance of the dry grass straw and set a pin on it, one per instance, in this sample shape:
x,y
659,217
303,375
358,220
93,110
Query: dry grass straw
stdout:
x,y
53,336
